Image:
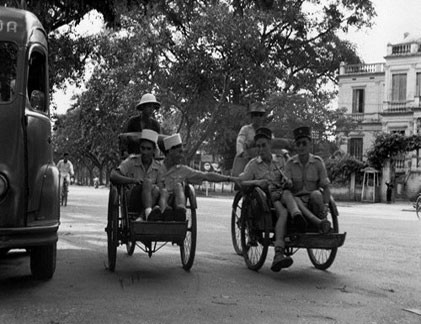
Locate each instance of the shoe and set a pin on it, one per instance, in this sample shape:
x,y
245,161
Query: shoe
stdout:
x,y
180,214
324,226
155,214
139,219
168,215
280,261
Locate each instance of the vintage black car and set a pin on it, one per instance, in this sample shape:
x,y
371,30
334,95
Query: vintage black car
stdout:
x,y
29,179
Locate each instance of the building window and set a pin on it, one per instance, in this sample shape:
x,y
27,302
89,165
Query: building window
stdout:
x,y
418,85
358,100
399,131
356,148
399,87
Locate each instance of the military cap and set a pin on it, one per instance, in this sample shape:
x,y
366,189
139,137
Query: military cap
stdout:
x,y
303,131
263,132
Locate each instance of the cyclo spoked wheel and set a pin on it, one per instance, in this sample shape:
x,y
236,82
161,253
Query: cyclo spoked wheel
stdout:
x,y
112,227
323,258
130,245
237,206
255,231
418,207
188,248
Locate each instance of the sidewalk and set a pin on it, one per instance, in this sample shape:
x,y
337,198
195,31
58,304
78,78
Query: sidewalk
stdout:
x,y
397,206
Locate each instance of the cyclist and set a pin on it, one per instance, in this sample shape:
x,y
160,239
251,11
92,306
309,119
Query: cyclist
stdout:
x,y
65,167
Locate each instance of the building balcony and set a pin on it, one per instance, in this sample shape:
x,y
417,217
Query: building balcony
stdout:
x,y
361,68
365,117
410,48
401,107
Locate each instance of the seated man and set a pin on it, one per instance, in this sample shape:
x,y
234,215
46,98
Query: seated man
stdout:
x,y
266,173
141,170
174,174
307,173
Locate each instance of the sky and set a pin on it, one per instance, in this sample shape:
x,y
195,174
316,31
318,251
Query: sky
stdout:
x,y
394,18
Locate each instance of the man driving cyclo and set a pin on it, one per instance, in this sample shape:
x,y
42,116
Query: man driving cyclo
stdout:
x,y
266,172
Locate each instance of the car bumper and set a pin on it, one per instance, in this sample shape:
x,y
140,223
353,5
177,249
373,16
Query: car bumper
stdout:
x,y
24,237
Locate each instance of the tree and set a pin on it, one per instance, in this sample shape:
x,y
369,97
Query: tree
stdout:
x,y
208,60
388,146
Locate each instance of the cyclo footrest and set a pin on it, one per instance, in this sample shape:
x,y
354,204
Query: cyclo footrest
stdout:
x,y
315,240
158,231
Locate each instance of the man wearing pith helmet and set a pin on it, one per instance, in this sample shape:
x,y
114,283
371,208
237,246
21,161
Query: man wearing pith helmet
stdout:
x,y
245,148
147,106
308,175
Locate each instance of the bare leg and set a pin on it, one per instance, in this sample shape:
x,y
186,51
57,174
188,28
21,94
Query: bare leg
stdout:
x,y
146,196
280,260
163,199
307,213
180,198
289,201
316,204
323,225
180,203
281,222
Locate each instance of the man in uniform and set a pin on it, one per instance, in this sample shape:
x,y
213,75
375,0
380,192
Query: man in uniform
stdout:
x,y
142,171
309,181
265,172
173,176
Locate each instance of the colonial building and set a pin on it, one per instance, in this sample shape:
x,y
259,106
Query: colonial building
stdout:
x,y
385,97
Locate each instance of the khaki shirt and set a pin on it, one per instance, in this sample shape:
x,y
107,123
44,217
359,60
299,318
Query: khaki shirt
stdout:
x,y
133,167
179,173
306,178
257,169
245,138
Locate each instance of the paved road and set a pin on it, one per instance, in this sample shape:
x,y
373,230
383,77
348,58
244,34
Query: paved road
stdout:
x,y
375,277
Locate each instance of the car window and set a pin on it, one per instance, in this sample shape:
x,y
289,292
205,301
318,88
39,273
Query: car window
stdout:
x,y
8,63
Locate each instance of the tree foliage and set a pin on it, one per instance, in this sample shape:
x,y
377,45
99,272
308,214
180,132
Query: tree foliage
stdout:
x,y
340,169
387,146
206,60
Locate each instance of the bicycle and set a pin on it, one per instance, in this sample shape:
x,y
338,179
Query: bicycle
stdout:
x,y
64,192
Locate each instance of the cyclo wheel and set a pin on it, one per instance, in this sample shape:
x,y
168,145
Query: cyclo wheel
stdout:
x,y
112,227
237,206
130,245
188,248
255,229
418,207
323,258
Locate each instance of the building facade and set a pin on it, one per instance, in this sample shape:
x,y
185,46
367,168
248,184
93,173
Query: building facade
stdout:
x,y
386,97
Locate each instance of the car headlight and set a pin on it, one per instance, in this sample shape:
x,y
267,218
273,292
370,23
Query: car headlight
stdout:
x,y
4,185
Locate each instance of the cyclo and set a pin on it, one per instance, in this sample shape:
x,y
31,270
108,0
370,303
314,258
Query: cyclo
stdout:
x,y
149,236
252,230
29,179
